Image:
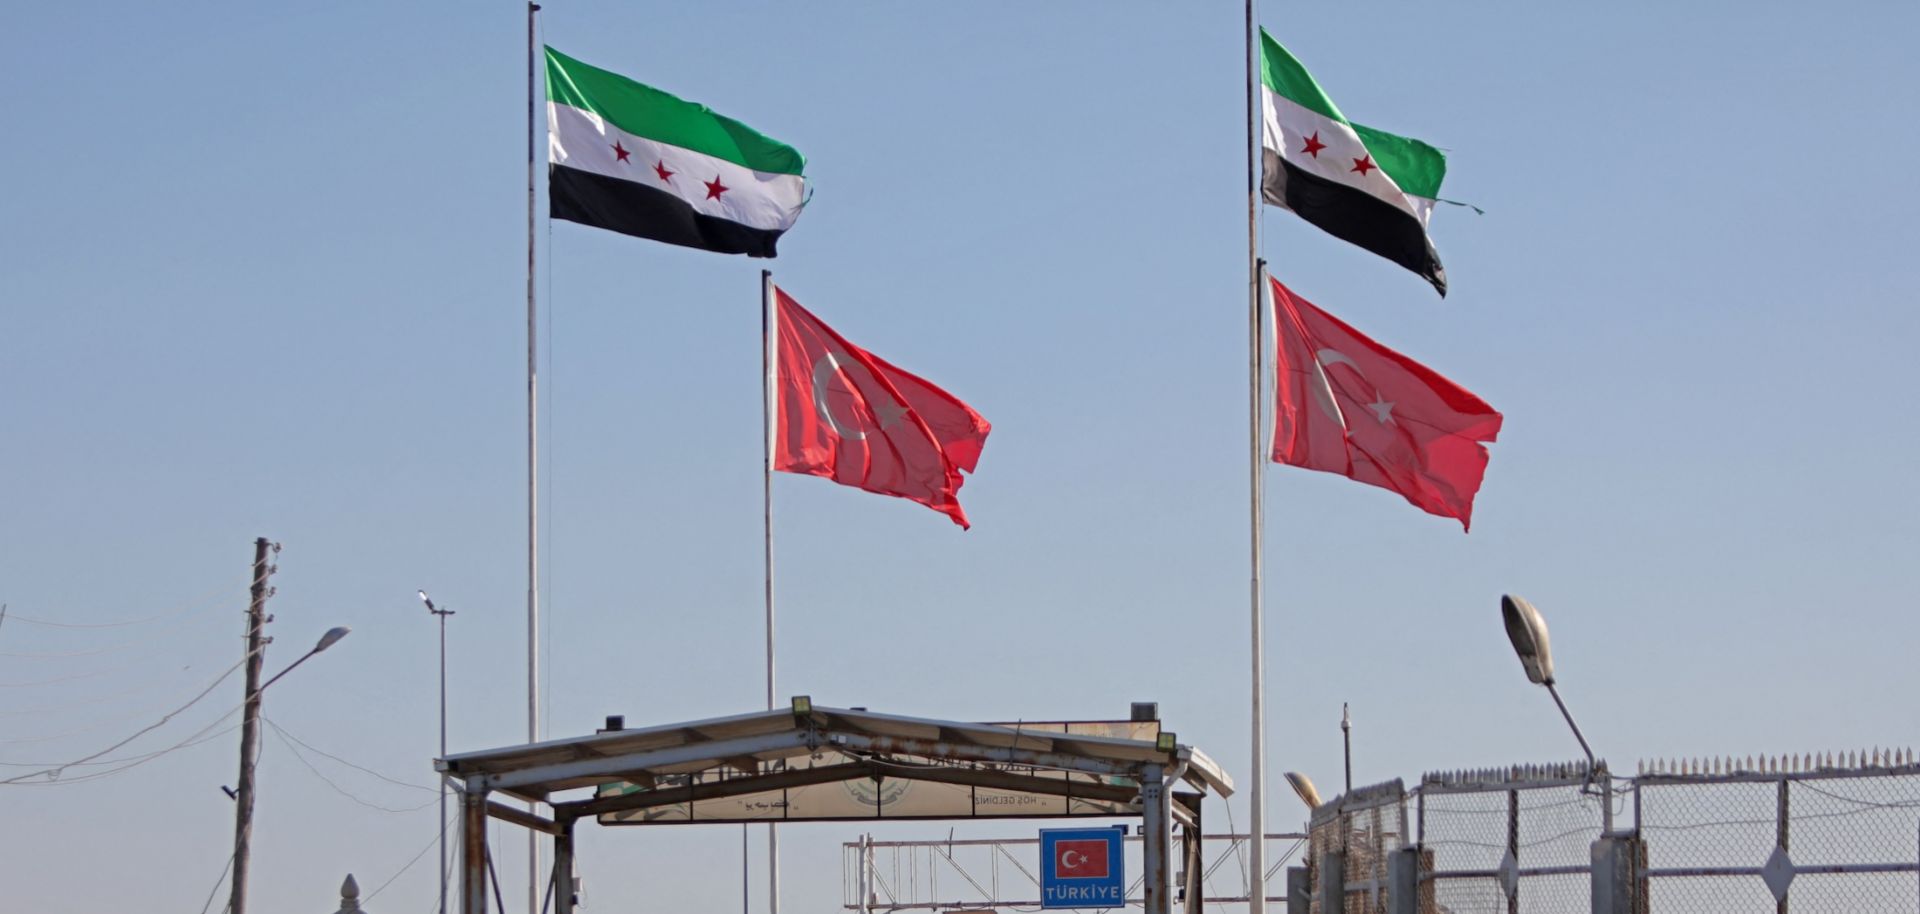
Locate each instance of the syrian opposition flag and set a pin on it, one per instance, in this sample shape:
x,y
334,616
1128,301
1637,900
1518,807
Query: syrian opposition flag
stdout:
x,y
1358,184
633,159
847,415
1346,404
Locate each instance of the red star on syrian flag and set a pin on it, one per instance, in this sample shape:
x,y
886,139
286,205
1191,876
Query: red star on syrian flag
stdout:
x,y
1363,165
1314,145
621,151
715,188
660,168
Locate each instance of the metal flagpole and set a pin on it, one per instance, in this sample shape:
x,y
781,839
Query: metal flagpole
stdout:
x,y
767,362
1256,794
533,483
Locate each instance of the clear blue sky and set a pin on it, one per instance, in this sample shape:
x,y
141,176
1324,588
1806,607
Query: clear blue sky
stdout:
x,y
263,276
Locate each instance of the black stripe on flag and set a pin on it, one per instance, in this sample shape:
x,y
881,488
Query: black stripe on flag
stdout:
x,y
646,212
1355,216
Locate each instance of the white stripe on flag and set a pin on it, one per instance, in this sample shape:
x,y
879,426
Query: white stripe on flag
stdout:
x,y
1287,127
757,199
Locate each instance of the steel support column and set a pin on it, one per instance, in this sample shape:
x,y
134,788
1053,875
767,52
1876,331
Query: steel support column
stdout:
x,y
1299,890
1333,882
1155,833
563,888
1403,881
1616,874
473,851
1193,863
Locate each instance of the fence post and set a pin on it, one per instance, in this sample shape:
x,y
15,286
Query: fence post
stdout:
x,y
1333,883
1513,849
1616,874
1785,815
1299,890
1403,881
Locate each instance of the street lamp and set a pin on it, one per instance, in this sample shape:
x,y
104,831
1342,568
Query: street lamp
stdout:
x,y
1527,630
326,641
442,614
1303,786
250,740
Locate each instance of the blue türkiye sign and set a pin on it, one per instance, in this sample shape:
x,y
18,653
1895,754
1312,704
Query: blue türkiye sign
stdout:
x,y
1082,868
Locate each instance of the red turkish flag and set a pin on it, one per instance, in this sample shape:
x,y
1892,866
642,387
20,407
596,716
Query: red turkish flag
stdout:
x,y
1346,404
1080,859
847,415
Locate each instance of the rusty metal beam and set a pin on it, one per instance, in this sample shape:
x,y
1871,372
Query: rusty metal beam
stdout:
x,y
885,745
712,790
1001,780
521,818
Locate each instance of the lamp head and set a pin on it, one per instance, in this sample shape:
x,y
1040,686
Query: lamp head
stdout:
x,y
332,635
1303,786
427,600
1527,629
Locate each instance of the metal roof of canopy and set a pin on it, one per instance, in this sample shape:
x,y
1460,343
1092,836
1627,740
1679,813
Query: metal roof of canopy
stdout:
x,y
750,747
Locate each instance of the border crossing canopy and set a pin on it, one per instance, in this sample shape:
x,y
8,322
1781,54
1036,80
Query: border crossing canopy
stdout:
x,y
810,763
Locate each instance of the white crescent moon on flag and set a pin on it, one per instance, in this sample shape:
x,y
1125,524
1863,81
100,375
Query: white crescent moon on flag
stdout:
x,y
1323,391
823,371
1072,859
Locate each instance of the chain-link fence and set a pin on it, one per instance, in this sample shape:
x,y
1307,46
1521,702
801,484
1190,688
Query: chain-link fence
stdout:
x,y
1799,834
1511,840
1802,833
1361,829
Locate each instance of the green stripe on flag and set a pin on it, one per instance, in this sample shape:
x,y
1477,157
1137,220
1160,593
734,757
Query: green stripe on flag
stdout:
x,y
645,111
1417,167
1283,74
1414,165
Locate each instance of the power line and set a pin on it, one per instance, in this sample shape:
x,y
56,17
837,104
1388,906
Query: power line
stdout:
x,y
189,742
55,771
342,790
54,681
216,884
416,859
210,598
309,747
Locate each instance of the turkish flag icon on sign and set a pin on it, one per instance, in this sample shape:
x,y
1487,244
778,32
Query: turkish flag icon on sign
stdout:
x,y
1080,859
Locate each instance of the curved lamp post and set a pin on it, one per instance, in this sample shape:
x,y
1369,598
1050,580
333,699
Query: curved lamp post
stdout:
x,y
249,755
1527,629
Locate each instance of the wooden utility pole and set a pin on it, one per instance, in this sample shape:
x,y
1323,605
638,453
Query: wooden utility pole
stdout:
x,y
250,724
